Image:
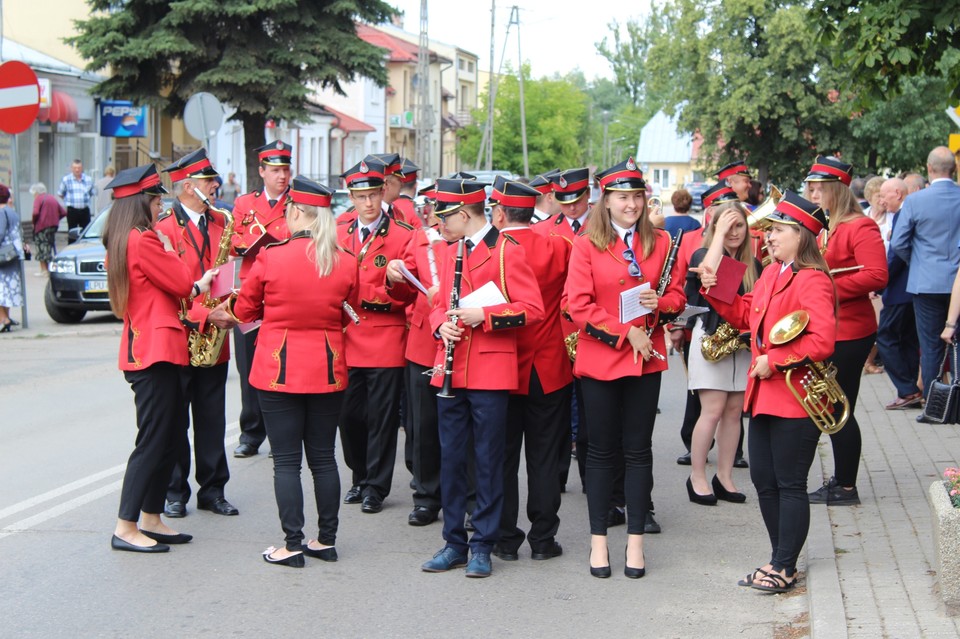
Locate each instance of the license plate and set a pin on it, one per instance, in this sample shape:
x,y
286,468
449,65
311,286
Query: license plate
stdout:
x,y
95,286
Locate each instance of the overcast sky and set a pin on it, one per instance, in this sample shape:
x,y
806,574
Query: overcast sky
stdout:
x,y
554,38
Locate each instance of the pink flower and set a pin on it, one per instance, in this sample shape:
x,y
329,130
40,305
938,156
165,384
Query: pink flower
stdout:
x,y
954,492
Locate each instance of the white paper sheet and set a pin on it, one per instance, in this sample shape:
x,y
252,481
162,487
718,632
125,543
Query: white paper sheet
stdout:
x,y
487,295
630,306
690,311
410,277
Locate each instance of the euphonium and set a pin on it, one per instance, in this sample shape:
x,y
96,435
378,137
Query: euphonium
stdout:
x,y
757,218
570,341
205,347
821,390
725,341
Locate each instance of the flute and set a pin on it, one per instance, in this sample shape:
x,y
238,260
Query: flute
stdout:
x,y
447,389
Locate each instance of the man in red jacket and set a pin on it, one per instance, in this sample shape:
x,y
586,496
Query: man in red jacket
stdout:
x,y
538,413
483,371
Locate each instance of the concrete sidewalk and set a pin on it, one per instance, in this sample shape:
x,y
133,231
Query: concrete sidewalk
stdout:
x,y
871,569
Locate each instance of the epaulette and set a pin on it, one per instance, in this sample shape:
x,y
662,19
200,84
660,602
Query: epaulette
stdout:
x,y
509,238
165,215
402,224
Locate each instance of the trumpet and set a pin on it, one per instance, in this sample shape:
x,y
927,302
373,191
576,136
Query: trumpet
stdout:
x,y
821,391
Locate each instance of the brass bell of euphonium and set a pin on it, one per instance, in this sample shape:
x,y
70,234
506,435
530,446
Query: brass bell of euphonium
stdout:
x,y
757,218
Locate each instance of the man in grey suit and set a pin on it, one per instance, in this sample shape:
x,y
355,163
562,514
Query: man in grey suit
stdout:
x,y
926,237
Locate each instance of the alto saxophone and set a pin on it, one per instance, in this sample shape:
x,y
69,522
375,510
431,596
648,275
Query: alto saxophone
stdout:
x,y
822,392
725,341
205,347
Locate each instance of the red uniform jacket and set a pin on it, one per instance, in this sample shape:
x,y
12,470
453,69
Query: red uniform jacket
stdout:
x,y
593,289
405,210
250,212
421,343
558,225
541,344
152,331
188,242
774,296
486,356
857,243
300,344
379,340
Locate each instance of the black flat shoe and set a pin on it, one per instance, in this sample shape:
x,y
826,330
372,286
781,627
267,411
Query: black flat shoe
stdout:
x,y
722,493
603,571
293,561
179,538
632,573
324,554
6,328
684,459
119,544
697,498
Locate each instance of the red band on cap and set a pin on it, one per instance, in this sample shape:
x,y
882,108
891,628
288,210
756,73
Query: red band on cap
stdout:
x,y
134,189
710,199
571,187
310,199
408,178
363,176
188,171
832,170
263,156
463,198
733,170
613,177
543,188
803,218
519,201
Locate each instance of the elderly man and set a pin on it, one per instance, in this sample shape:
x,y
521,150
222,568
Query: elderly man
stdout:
x,y
897,331
77,191
926,237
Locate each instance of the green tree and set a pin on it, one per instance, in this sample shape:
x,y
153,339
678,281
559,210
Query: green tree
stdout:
x,y
261,57
898,133
879,42
748,76
556,123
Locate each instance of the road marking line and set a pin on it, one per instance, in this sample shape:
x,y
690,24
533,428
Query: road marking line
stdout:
x,y
79,500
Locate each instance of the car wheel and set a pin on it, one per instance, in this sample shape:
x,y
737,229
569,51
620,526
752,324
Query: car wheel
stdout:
x,y
59,314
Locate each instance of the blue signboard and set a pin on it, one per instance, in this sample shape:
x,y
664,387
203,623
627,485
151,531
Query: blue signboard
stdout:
x,y
120,119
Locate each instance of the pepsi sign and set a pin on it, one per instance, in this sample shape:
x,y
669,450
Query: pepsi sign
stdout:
x,y
120,119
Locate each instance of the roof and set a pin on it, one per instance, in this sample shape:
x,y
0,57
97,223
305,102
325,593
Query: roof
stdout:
x,y
39,61
660,142
347,123
398,50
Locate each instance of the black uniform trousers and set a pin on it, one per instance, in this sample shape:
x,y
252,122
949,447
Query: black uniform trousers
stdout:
x,y
539,423
298,422
781,452
252,430
617,500
422,408
482,414
158,397
621,414
204,392
369,422
849,356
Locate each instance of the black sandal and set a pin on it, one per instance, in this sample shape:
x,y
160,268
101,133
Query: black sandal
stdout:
x,y
747,581
778,583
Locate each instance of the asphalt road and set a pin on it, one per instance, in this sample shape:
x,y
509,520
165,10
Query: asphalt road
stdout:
x,y
68,426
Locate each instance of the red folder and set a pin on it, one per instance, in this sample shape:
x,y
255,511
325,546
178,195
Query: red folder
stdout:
x,y
264,240
729,277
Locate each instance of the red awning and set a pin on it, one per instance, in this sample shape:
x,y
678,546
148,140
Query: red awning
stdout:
x,y
63,108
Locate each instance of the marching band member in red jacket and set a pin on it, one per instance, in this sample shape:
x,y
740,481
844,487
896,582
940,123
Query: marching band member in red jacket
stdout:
x,y
404,207
255,214
146,281
783,438
375,347
196,232
571,190
483,371
538,413
620,374
858,262
298,288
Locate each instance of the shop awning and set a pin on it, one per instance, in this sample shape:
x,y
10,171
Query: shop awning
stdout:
x,y
63,108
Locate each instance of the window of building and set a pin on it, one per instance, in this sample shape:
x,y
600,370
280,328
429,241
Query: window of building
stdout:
x,y
469,66
461,64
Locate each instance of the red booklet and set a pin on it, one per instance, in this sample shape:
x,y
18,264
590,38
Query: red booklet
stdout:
x,y
729,277
264,240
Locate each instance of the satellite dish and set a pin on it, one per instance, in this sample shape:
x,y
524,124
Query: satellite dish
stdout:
x,y
203,116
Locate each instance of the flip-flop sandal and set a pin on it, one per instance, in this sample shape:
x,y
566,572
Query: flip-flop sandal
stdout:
x,y
780,584
747,581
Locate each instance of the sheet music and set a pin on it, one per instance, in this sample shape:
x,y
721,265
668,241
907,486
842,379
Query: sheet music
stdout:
x,y
630,306
410,277
487,295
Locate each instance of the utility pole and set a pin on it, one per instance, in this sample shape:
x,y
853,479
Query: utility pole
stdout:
x,y
424,126
515,19
485,152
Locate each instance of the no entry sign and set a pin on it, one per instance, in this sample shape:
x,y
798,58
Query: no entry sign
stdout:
x,y
19,97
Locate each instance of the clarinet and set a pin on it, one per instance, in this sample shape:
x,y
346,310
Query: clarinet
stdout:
x,y
447,389
665,277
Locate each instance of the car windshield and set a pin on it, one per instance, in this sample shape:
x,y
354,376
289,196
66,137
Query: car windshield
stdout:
x,y
95,230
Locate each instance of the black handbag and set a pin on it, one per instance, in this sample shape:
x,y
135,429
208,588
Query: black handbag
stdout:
x,y
943,399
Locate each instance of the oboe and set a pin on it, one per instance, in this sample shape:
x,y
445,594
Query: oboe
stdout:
x,y
447,389
665,277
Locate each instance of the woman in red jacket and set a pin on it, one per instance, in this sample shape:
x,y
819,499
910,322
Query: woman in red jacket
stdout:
x,y
297,287
146,280
858,262
619,363
783,438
